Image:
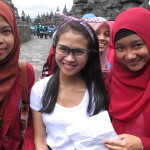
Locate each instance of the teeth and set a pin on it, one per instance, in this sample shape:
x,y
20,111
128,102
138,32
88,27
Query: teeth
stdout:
x,y
69,66
101,44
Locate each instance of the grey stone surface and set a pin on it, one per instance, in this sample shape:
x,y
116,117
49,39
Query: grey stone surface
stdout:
x,y
108,9
35,52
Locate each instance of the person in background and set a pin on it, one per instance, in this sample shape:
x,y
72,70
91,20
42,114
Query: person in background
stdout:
x,y
12,137
32,30
74,92
45,31
103,30
129,81
38,30
23,16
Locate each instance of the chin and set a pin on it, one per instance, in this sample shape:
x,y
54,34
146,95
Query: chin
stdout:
x,y
135,69
101,50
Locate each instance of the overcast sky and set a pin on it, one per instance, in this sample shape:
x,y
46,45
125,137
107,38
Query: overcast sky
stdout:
x,y
35,7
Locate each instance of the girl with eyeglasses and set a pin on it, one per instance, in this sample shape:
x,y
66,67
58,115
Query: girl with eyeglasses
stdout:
x,y
74,92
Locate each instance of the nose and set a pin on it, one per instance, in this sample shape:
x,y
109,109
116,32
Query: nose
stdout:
x,y
70,56
101,36
1,40
130,54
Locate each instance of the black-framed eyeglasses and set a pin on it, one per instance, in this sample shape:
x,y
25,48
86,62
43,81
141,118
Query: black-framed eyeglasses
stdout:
x,y
77,52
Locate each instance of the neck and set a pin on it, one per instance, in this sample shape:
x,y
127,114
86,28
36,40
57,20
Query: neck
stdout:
x,y
75,81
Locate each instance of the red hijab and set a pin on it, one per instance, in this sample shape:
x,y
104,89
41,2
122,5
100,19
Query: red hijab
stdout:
x,y
51,60
130,91
9,66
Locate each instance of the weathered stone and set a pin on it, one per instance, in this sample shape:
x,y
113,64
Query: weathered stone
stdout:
x,y
108,9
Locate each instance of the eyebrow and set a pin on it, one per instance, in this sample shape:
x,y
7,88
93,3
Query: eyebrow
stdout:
x,y
138,40
73,48
134,41
6,27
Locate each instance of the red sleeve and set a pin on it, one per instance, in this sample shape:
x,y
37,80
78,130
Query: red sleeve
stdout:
x,y
28,142
51,63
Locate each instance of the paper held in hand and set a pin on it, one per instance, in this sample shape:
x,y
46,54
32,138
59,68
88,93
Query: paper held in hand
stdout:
x,y
89,134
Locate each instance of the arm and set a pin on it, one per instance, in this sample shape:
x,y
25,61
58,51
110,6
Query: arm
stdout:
x,y
127,142
39,131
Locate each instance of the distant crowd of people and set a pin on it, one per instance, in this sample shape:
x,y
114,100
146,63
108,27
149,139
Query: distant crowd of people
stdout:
x,y
94,65
42,31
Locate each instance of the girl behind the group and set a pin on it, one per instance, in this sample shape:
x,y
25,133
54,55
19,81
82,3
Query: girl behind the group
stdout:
x,y
76,90
104,31
129,81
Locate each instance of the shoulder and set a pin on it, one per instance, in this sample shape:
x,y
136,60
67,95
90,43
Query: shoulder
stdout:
x,y
23,65
37,93
41,85
29,68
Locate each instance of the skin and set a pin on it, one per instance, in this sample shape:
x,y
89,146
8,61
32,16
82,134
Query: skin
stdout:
x,y
127,142
69,65
70,68
132,52
6,39
70,83
39,135
103,34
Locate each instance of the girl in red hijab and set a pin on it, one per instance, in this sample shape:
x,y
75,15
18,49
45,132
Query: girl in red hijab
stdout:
x,y
129,81
11,87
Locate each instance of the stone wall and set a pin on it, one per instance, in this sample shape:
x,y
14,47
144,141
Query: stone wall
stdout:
x,y
108,9
24,33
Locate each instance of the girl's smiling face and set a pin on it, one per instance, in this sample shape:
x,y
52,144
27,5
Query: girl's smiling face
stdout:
x,y
132,52
70,65
6,39
103,34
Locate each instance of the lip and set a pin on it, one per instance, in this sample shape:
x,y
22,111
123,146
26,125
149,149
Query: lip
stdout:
x,y
133,63
2,50
69,66
102,45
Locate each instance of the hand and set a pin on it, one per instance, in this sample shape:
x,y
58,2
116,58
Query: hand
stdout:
x,y
127,142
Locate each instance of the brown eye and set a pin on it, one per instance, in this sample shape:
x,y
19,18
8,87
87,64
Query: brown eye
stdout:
x,y
120,49
7,31
139,44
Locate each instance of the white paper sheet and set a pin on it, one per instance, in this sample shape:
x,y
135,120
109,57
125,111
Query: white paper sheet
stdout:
x,y
89,134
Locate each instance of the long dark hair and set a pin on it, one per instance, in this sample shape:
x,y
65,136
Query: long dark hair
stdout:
x,y
91,73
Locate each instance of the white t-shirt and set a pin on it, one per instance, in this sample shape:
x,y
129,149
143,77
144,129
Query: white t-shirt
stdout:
x,y
59,119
